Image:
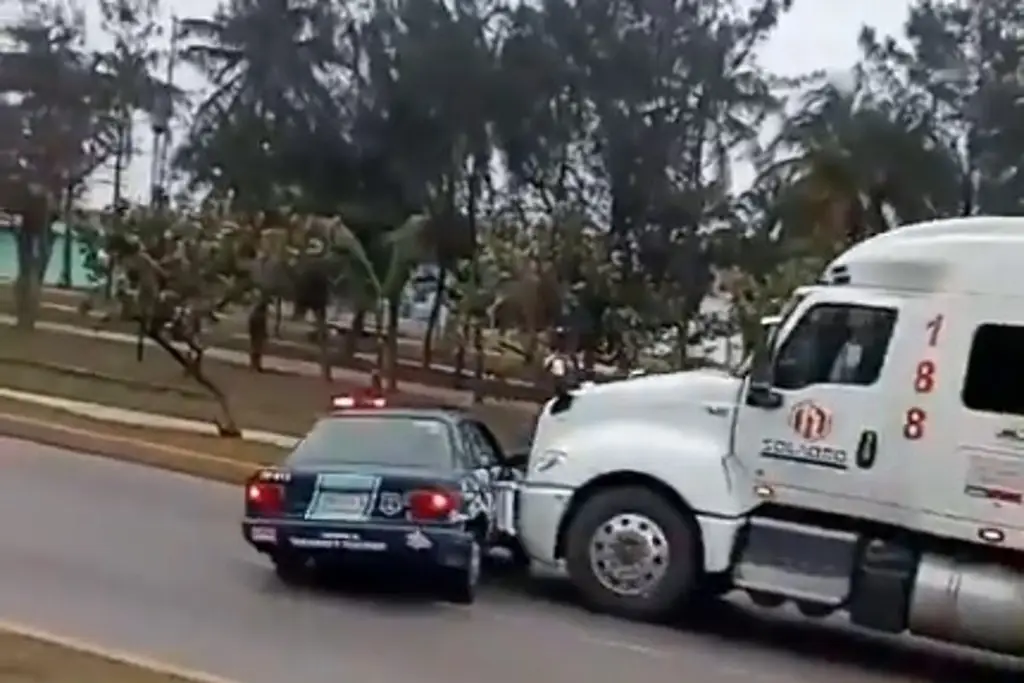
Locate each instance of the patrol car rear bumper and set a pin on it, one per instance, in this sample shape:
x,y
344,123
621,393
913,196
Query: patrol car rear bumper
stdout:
x,y
361,544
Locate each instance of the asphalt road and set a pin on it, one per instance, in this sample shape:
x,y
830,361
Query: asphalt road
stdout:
x,y
151,562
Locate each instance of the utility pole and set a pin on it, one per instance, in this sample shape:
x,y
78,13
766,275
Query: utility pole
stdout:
x,y
162,124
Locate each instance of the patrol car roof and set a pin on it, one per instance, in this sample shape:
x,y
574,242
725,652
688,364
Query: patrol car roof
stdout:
x,y
971,255
445,413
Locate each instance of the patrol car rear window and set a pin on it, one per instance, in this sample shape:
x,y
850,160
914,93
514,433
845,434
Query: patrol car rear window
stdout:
x,y
384,440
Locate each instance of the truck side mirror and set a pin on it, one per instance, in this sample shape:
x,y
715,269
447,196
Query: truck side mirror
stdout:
x,y
517,458
762,395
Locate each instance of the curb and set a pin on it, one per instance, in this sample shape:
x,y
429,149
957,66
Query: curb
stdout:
x,y
122,448
117,656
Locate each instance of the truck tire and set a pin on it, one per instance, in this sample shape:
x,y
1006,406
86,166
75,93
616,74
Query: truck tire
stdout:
x,y
631,553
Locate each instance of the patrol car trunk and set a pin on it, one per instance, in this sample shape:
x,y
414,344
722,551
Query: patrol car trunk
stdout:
x,y
352,495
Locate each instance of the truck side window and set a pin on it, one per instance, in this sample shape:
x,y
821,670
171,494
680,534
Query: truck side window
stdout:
x,y
835,344
995,371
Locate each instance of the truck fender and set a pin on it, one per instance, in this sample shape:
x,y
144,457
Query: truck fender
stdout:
x,y
689,470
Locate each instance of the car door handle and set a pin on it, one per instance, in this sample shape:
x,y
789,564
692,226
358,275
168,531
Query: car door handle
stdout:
x,y
717,409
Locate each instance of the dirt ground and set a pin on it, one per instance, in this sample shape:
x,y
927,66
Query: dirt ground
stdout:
x,y
107,372
60,306
27,660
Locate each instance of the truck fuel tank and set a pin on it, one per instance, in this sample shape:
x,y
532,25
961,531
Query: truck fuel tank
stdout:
x,y
979,605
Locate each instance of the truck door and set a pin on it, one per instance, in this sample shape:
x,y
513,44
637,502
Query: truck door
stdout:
x,y
984,481
810,421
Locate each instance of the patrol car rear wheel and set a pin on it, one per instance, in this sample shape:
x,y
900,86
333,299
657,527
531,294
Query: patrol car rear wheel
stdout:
x,y
459,585
291,569
630,552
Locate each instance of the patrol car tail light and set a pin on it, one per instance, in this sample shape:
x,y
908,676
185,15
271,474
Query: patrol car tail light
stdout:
x,y
432,504
265,498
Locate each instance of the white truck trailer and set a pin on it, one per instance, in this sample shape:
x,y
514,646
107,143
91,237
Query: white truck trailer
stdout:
x,y
872,461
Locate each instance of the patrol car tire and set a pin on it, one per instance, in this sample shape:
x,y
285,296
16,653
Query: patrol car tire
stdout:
x,y
672,592
290,569
459,585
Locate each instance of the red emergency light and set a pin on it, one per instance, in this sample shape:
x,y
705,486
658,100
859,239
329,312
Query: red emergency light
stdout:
x,y
348,401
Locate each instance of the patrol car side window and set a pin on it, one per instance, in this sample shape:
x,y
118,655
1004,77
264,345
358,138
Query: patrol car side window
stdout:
x,y
476,454
835,344
492,448
994,382
484,446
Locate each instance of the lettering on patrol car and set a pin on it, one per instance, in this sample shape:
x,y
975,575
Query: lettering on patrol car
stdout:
x,y
417,540
336,543
810,421
808,454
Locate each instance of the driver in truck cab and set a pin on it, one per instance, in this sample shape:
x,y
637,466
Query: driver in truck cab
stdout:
x,y
868,461
839,347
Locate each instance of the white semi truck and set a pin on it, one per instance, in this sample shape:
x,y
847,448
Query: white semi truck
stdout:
x,y
872,461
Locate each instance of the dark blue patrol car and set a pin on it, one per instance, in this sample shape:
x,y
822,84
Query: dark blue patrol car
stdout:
x,y
429,490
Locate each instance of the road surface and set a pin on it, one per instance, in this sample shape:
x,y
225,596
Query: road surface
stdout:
x,y
147,561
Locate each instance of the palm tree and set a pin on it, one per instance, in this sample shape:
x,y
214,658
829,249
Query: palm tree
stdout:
x,y
56,128
383,285
859,162
266,60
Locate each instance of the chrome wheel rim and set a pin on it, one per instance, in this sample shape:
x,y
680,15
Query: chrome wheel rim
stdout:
x,y
629,554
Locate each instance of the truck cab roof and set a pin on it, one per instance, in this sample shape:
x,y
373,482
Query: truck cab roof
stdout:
x,y
966,255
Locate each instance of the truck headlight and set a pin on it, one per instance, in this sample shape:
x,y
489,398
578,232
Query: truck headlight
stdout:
x,y
548,459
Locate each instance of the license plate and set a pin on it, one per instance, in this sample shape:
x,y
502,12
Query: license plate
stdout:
x,y
329,505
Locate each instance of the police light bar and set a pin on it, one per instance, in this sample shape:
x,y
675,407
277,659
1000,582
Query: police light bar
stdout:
x,y
344,402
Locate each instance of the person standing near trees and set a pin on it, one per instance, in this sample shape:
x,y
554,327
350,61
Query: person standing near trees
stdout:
x,y
560,365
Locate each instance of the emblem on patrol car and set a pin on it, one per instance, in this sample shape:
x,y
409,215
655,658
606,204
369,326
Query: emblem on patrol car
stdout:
x,y
810,421
390,504
417,540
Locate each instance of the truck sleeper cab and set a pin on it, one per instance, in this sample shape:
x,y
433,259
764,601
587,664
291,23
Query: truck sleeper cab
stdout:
x,y
872,461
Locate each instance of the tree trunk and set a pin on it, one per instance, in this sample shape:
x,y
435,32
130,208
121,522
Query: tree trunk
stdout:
x,y
227,426
532,346
67,248
119,159
257,334
391,341
26,300
381,347
278,304
66,257
28,283
460,356
323,341
435,315
682,344
351,342
478,360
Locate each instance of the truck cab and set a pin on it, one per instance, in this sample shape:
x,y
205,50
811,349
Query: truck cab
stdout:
x,y
870,459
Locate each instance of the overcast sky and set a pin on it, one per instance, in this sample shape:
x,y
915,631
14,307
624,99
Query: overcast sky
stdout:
x,y
817,34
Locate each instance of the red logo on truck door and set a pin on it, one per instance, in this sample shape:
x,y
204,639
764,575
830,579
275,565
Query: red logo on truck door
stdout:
x,y
810,421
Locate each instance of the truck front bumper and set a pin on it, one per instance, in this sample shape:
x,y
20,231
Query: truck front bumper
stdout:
x,y
540,510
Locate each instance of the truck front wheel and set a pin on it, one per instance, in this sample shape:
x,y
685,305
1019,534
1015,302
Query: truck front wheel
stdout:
x,y
631,553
